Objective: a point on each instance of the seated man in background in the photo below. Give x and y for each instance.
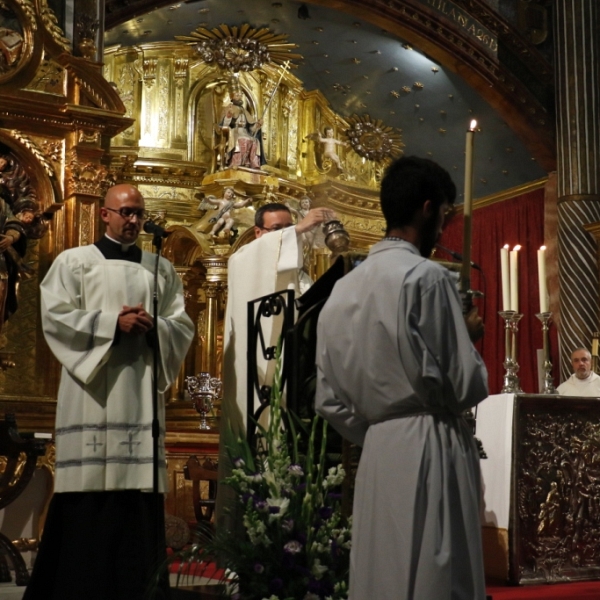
(583, 382)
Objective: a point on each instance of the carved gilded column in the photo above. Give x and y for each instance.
(578, 152)
(214, 288)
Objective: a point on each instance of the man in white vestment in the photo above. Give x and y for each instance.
(271, 263)
(396, 368)
(583, 382)
(101, 538)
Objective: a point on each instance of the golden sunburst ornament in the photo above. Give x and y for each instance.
(240, 48)
(373, 140)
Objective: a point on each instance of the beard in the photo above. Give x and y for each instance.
(429, 236)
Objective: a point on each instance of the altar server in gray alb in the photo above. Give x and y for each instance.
(396, 369)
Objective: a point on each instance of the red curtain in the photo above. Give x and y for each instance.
(519, 220)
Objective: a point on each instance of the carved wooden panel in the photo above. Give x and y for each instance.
(555, 504)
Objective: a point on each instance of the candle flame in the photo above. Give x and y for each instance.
(542, 247)
(517, 248)
(473, 125)
(506, 246)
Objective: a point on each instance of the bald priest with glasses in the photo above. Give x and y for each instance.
(100, 540)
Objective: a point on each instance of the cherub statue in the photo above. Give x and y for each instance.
(304, 206)
(223, 221)
(329, 144)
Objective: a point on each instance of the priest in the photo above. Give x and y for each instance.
(583, 382)
(101, 539)
(270, 263)
(396, 368)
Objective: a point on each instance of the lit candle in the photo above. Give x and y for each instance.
(505, 278)
(465, 272)
(541, 256)
(514, 278)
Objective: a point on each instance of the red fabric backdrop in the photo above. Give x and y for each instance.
(519, 220)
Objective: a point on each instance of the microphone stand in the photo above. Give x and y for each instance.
(157, 243)
(159, 523)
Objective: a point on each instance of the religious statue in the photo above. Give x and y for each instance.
(19, 220)
(329, 143)
(301, 212)
(240, 141)
(224, 221)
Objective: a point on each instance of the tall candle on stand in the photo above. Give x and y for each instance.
(505, 278)
(465, 274)
(514, 278)
(541, 255)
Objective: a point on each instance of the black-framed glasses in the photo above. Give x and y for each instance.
(276, 227)
(128, 213)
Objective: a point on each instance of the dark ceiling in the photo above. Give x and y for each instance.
(360, 68)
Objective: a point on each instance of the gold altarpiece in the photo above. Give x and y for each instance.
(148, 116)
(171, 152)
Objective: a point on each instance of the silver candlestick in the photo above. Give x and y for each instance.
(204, 390)
(512, 383)
(545, 318)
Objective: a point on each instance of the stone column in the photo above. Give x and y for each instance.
(577, 64)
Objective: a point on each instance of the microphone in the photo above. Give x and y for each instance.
(457, 256)
(156, 230)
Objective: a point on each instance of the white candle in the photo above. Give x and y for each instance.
(514, 278)
(465, 272)
(541, 256)
(468, 205)
(505, 278)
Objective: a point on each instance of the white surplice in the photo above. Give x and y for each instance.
(269, 264)
(587, 388)
(395, 370)
(104, 410)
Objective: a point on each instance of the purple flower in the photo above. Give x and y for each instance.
(274, 510)
(261, 506)
(258, 568)
(325, 512)
(276, 585)
(238, 463)
(321, 587)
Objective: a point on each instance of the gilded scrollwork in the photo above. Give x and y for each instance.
(51, 24)
(86, 224)
(88, 137)
(39, 154)
(52, 150)
(86, 178)
(558, 494)
(373, 140)
(149, 66)
(181, 70)
(244, 48)
(29, 11)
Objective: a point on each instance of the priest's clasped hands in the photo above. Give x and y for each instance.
(134, 319)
